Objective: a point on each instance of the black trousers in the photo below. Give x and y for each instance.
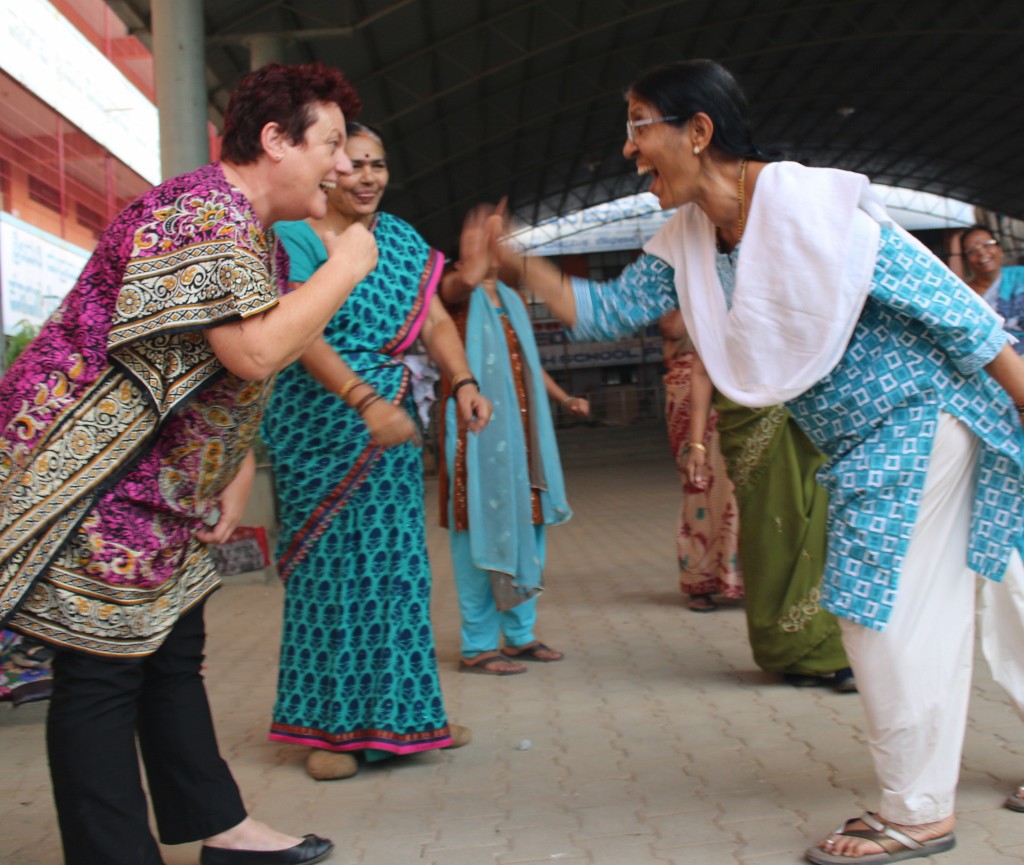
(99, 706)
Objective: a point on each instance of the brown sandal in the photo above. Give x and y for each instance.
(531, 652)
(491, 664)
(701, 604)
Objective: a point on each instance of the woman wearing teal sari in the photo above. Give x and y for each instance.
(358, 672)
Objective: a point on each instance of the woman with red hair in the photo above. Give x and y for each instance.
(125, 433)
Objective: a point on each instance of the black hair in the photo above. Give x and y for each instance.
(683, 88)
(354, 127)
(976, 227)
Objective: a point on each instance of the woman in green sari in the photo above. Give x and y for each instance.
(783, 511)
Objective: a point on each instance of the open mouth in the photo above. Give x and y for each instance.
(328, 185)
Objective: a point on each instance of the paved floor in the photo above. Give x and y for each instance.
(655, 741)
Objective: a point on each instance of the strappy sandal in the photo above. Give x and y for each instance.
(896, 846)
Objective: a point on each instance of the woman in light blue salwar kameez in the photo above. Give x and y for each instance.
(896, 372)
(1000, 287)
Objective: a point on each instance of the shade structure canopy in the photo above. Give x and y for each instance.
(479, 99)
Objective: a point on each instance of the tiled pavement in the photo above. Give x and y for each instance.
(655, 741)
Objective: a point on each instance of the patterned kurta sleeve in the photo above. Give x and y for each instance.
(640, 295)
(197, 258)
(961, 323)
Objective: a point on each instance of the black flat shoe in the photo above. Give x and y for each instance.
(804, 680)
(312, 849)
(844, 682)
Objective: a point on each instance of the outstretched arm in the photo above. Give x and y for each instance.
(543, 280)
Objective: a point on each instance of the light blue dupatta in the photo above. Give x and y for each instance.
(498, 477)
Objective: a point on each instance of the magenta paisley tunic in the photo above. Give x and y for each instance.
(119, 427)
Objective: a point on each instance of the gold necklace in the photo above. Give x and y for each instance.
(740, 197)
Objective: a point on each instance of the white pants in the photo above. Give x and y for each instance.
(915, 677)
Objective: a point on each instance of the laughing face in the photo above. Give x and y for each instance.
(358, 194)
(983, 252)
(314, 165)
(662, 151)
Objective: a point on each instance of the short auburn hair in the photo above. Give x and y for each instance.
(285, 95)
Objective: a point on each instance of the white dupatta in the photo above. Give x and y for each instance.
(804, 273)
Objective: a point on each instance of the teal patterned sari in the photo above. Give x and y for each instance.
(358, 670)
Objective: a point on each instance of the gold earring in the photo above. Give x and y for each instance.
(696, 150)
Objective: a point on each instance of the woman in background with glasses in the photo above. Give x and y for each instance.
(1000, 287)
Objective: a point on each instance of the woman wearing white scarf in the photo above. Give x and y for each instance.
(894, 370)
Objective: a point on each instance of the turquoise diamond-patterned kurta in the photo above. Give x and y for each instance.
(918, 349)
(358, 669)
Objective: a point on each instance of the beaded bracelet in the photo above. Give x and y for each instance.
(697, 446)
(465, 381)
(365, 403)
(367, 400)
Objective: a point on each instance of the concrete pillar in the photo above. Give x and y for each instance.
(264, 49)
(180, 63)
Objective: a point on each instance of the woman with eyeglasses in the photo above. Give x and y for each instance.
(892, 367)
(1000, 287)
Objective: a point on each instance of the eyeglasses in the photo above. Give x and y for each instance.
(633, 125)
(987, 246)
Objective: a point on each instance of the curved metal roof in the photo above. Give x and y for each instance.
(524, 98)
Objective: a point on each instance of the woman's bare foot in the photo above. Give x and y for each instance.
(851, 846)
(492, 663)
(252, 835)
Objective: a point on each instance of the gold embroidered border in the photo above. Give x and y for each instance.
(799, 615)
(745, 468)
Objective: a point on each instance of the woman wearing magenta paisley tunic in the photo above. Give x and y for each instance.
(125, 433)
(358, 672)
(893, 368)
